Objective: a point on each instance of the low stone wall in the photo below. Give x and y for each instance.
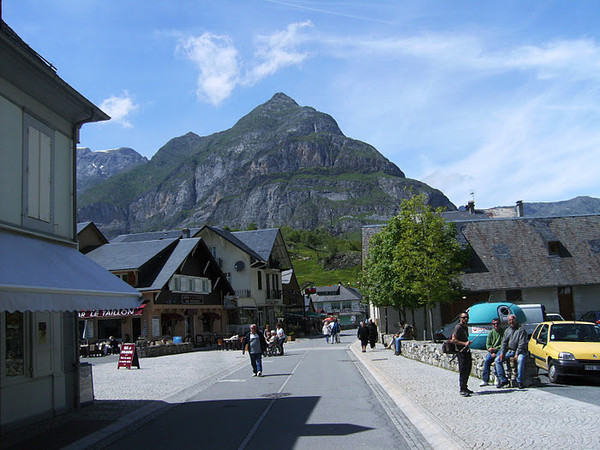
(431, 353)
(146, 351)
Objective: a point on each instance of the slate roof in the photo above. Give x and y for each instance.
(128, 255)
(336, 293)
(233, 238)
(176, 258)
(152, 235)
(514, 252)
(261, 241)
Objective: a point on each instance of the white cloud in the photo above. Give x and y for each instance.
(217, 61)
(119, 108)
(277, 51)
(220, 66)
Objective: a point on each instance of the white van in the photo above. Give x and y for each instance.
(535, 314)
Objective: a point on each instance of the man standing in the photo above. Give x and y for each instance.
(256, 346)
(514, 345)
(372, 334)
(460, 338)
(493, 344)
(280, 336)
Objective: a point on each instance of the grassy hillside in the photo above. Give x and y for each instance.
(312, 253)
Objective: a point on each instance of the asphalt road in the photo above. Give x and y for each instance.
(315, 396)
(582, 389)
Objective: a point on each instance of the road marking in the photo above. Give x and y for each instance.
(268, 408)
(231, 381)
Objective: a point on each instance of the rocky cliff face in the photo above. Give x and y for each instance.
(281, 164)
(94, 167)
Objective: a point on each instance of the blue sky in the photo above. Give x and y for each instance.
(497, 98)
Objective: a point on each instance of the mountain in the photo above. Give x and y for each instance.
(574, 206)
(94, 167)
(281, 164)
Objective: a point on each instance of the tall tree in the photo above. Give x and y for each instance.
(415, 260)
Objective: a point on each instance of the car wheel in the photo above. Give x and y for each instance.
(553, 373)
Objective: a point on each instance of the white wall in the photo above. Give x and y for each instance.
(547, 297)
(586, 298)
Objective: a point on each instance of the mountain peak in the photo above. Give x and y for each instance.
(281, 99)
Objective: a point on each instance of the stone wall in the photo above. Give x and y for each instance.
(431, 353)
(145, 351)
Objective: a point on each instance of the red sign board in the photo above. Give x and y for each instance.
(122, 312)
(128, 357)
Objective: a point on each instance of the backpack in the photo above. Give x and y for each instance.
(449, 347)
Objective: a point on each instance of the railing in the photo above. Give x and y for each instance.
(243, 293)
(274, 294)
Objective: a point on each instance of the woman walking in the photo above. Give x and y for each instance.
(363, 335)
(326, 331)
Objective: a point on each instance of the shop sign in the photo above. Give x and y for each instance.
(128, 357)
(192, 299)
(103, 313)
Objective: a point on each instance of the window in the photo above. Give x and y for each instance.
(188, 284)
(38, 176)
(259, 274)
(123, 276)
(554, 248)
(15, 344)
(543, 337)
(513, 295)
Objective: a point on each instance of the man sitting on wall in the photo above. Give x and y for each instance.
(514, 345)
(492, 344)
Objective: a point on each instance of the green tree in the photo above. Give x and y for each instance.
(415, 260)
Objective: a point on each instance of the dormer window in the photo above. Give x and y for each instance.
(554, 248)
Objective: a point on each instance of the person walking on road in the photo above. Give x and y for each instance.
(335, 330)
(363, 335)
(460, 338)
(256, 345)
(372, 334)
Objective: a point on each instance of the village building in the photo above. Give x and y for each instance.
(340, 301)
(553, 261)
(183, 287)
(44, 279)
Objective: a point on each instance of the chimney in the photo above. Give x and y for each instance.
(519, 208)
(471, 207)
(185, 233)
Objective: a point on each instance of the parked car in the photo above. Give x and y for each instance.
(554, 317)
(566, 348)
(591, 316)
(480, 321)
(535, 314)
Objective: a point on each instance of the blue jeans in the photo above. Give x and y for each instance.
(256, 361)
(520, 367)
(489, 359)
(398, 344)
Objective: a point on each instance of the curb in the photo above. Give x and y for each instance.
(437, 437)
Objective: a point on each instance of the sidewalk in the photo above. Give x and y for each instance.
(491, 418)
(141, 395)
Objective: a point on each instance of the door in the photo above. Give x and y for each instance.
(538, 346)
(565, 303)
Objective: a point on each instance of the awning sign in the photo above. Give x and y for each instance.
(123, 312)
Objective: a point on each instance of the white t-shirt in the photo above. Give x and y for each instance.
(280, 333)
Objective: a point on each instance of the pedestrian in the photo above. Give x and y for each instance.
(338, 330)
(280, 335)
(404, 333)
(335, 328)
(514, 345)
(492, 344)
(363, 335)
(372, 333)
(460, 338)
(267, 332)
(256, 345)
(326, 331)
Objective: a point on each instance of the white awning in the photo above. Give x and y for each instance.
(39, 275)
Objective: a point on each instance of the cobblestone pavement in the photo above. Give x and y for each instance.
(491, 418)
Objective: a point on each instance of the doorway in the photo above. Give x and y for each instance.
(565, 303)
